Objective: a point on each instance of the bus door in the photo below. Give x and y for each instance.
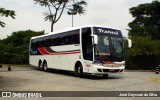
(87, 49)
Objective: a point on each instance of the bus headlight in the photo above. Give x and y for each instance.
(99, 64)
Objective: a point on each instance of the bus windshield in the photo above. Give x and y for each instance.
(109, 48)
(110, 45)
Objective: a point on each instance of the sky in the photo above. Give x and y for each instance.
(110, 13)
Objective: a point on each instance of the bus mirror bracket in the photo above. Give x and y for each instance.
(129, 43)
(95, 39)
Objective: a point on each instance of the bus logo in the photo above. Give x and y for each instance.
(34, 52)
(108, 31)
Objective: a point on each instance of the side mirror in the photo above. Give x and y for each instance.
(95, 39)
(129, 43)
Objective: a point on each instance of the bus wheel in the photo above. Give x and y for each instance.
(105, 75)
(80, 71)
(40, 66)
(45, 66)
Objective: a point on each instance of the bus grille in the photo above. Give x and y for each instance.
(108, 70)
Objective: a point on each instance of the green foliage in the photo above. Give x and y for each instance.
(6, 13)
(145, 34)
(145, 53)
(147, 20)
(144, 46)
(78, 7)
(14, 49)
(56, 8)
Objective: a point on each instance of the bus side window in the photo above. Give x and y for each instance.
(64, 39)
(46, 42)
(32, 44)
(41, 42)
(55, 40)
(87, 44)
(74, 37)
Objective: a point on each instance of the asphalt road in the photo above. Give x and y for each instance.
(27, 78)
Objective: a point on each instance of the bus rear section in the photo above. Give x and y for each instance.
(56, 50)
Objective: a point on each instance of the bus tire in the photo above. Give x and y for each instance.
(105, 75)
(45, 66)
(40, 65)
(80, 71)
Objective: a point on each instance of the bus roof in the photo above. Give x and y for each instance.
(70, 29)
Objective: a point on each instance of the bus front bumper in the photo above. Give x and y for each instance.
(99, 69)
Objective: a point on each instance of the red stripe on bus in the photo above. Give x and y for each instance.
(45, 52)
(64, 53)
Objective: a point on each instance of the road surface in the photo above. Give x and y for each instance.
(27, 78)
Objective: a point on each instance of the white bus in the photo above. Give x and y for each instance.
(84, 50)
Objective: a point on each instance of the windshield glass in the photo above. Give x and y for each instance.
(117, 46)
(109, 49)
(102, 48)
(110, 45)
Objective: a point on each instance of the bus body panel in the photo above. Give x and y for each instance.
(65, 57)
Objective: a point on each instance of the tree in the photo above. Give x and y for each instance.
(6, 13)
(145, 34)
(14, 49)
(58, 6)
(76, 8)
(147, 20)
(144, 54)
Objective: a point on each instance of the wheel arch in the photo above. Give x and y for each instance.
(44, 61)
(76, 64)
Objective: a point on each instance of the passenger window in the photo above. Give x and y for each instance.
(74, 37)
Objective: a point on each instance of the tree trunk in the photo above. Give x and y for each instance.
(52, 24)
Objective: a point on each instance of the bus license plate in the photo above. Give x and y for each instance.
(112, 70)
